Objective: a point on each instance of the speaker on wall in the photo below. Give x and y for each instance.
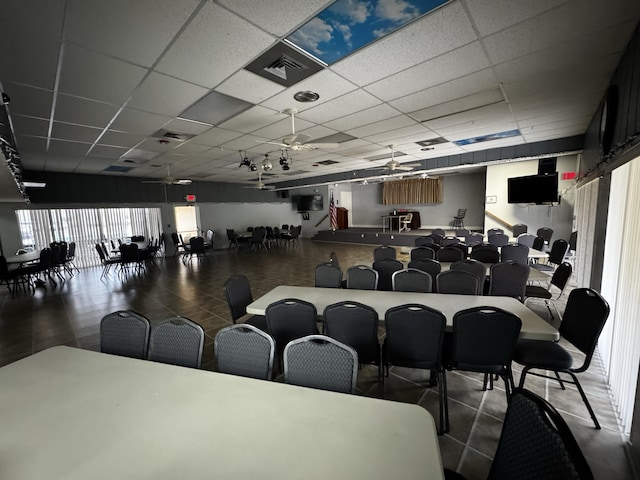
(547, 166)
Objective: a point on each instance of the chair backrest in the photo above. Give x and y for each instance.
(484, 339)
(538, 243)
(129, 252)
(436, 238)
(457, 282)
(423, 241)
(4, 268)
(177, 341)
(362, 277)
(100, 252)
(573, 240)
(125, 333)
(244, 350)
(449, 254)
(382, 252)
(408, 218)
(536, 442)
(420, 253)
(427, 265)
(475, 268)
(473, 238)
(237, 291)
(290, 318)
(519, 229)
(558, 251)
(498, 239)
(231, 235)
(546, 233)
(508, 279)
(461, 213)
(561, 276)
(493, 231)
(462, 232)
(318, 361)
(356, 325)
(584, 317)
(438, 231)
(485, 253)
(210, 236)
(55, 254)
(71, 254)
(258, 234)
(414, 336)
(411, 280)
(446, 241)
(328, 275)
(518, 253)
(527, 239)
(196, 244)
(385, 269)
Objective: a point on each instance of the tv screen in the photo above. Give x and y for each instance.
(533, 189)
(309, 203)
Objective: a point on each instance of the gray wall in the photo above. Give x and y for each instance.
(464, 190)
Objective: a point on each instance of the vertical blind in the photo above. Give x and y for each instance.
(585, 211)
(619, 344)
(412, 191)
(86, 227)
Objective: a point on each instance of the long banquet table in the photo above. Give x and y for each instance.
(75, 414)
(533, 327)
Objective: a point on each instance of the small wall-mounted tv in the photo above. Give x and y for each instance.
(309, 203)
(536, 189)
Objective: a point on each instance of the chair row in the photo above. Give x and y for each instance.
(176, 340)
(486, 253)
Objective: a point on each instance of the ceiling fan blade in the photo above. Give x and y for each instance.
(283, 145)
(296, 138)
(182, 181)
(153, 181)
(322, 146)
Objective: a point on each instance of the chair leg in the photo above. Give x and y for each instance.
(559, 380)
(444, 402)
(585, 400)
(523, 376)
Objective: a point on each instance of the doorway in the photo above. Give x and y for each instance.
(186, 221)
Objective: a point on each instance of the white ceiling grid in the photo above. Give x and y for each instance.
(128, 69)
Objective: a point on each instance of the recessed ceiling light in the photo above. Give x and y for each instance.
(306, 96)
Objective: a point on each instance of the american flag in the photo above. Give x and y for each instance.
(333, 213)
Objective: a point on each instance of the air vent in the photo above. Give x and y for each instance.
(284, 65)
(432, 141)
(327, 162)
(117, 168)
(181, 137)
(134, 161)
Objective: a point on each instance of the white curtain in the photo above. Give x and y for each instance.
(619, 344)
(585, 211)
(86, 227)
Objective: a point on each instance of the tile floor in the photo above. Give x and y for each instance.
(70, 315)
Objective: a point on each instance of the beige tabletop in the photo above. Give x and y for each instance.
(533, 326)
(24, 258)
(75, 414)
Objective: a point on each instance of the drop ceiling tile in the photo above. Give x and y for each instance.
(30, 145)
(135, 121)
(107, 151)
(61, 161)
(83, 112)
(181, 125)
(364, 117)
(134, 31)
(93, 165)
(37, 127)
(490, 17)
(325, 83)
(277, 17)
(216, 136)
(98, 77)
(249, 87)
(457, 88)
(66, 131)
(443, 69)
(246, 142)
(34, 102)
(119, 139)
(72, 149)
(252, 119)
(439, 32)
(192, 58)
(339, 107)
(190, 148)
(165, 95)
(384, 138)
(282, 128)
(154, 145)
(382, 126)
(478, 115)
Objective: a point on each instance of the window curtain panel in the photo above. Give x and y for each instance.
(585, 211)
(413, 191)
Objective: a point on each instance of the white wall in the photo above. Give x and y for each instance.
(557, 217)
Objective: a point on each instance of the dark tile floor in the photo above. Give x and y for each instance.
(70, 315)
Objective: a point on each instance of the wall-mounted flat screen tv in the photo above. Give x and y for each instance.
(309, 203)
(537, 189)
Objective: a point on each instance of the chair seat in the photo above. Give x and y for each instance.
(542, 354)
(258, 321)
(537, 292)
(543, 267)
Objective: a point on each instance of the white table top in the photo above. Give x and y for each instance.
(24, 258)
(74, 414)
(533, 326)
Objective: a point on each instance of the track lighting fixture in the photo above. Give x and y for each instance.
(285, 163)
(244, 161)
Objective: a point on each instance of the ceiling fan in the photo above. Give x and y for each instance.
(169, 180)
(260, 185)
(297, 142)
(394, 166)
